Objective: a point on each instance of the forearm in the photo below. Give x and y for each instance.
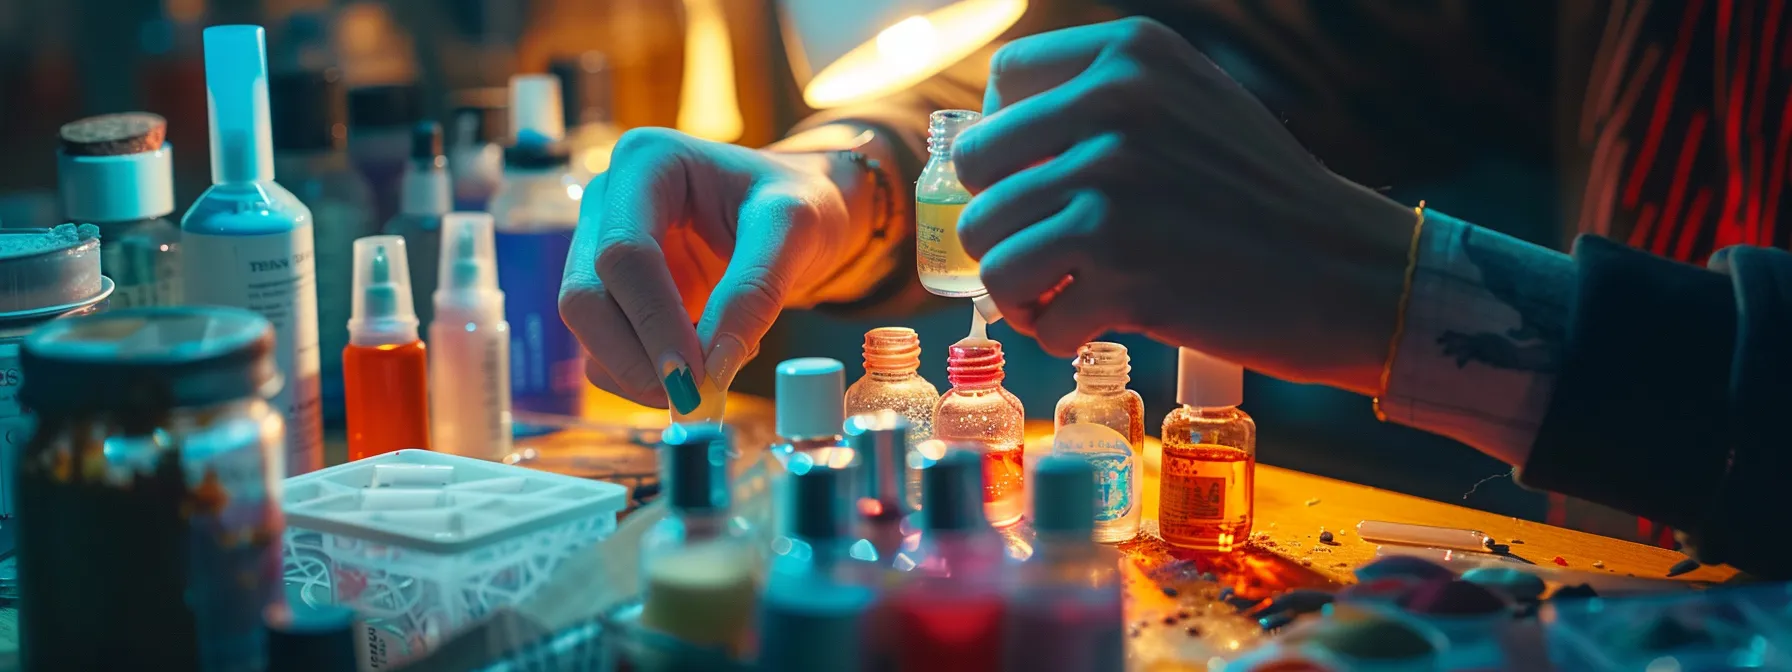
(1478, 352)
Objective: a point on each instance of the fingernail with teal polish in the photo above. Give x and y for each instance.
(681, 386)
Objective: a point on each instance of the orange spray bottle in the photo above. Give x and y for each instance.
(384, 366)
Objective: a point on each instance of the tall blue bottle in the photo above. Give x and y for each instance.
(247, 240)
(535, 211)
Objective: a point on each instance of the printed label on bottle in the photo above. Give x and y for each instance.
(13, 421)
(1111, 455)
(545, 366)
(1194, 489)
(272, 275)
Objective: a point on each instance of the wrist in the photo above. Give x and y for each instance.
(1377, 268)
(854, 164)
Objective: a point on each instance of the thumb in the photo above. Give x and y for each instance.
(771, 244)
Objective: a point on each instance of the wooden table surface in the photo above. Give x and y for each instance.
(1283, 509)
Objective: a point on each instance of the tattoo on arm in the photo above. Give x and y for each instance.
(1536, 343)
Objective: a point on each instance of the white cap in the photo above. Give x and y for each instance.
(1205, 381)
(236, 87)
(536, 117)
(383, 314)
(118, 187)
(467, 274)
(811, 397)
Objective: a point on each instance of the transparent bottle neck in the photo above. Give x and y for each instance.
(943, 128)
(976, 366)
(892, 353)
(1103, 368)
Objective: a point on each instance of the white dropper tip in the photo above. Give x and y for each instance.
(1205, 381)
(468, 267)
(383, 314)
(236, 90)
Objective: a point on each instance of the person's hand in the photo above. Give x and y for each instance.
(1118, 155)
(680, 227)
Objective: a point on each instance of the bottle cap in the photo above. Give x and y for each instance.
(115, 168)
(952, 490)
(173, 356)
(880, 443)
(480, 117)
(426, 143)
(382, 311)
(310, 110)
(820, 505)
(304, 637)
(535, 111)
(467, 274)
(585, 84)
(236, 86)
(385, 106)
(1063, 494)
(1205, 381)
(811, 396)
(695, 459)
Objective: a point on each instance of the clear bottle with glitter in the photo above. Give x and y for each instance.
(1104, 422)
(978, 410)
(892, 383)
(1208, 480)
(940, 258)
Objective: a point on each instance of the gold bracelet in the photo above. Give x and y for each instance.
(1412, 268)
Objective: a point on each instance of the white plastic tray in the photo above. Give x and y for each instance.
(441, 503)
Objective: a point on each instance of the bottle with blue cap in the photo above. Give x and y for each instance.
(811, 398)
(248, 241)
(536, 209)
(424, 198)
(699, 567)
(1064, 606)
(818, 594)
(947, 612)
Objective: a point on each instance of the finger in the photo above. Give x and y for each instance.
(1036, 129)
(1082, 312)
(1032, 65)
(1029, 264)
(596, 319)
(771, 248)
(595, 372)
(638, 205)
(1032, 194)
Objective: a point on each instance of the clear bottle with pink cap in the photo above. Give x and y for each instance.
(1205, 494)
(979, 410)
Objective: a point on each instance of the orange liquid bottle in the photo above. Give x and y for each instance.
(384, 367)
(1206, 495)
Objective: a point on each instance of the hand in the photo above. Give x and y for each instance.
(679, 227)
(1118, 155)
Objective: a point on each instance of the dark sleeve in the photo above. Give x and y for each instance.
(1669, 403)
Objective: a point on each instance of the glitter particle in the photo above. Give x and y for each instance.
(1326, 538)
(1560, 561)
(1312, 501)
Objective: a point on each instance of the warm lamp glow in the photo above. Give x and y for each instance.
(911, 50)
(708, 107)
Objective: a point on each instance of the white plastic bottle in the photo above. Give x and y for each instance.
(469, 345)
(247, 240)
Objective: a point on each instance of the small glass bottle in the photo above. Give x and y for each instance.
(945, 268)
(947, 615)
(891, 381)
(1206, 491)
(979, 410)
(818, 595)
(699, 570)
(116, 171)
(811, 410)
(889, 479)
(1104, 422)
(1064, 610)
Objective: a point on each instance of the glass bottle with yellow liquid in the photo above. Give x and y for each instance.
(941, 260)
(1205, 493)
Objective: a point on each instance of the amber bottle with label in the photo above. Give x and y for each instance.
(1210, 458)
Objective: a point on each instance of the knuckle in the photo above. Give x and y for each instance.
(761, 297)
(646, 142)
(619, 255)
(1144, 34)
